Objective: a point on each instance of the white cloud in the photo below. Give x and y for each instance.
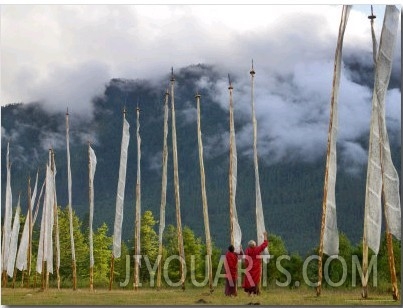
(64, 55)
(141, 41)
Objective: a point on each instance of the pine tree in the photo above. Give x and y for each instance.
(193, 246)
(120, 265)
(170, 241)
(81, 247)
(148, 243)
(102, 254)
(335, 269)
(276, 249)
(383, 259)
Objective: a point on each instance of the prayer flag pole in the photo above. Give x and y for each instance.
(29, 232)
(231, 162)
(137, 229)
(329, 237)
(235, 230)
(92, 162)
(382, 178)
(176, 184)
(204, 196)
(69, 184)
(56, 221)
(163, 189)
(117, 231)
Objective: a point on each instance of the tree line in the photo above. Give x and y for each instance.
(281, 268)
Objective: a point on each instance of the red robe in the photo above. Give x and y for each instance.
(231, 265)
(256, 268)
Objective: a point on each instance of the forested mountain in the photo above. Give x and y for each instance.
(292, 190)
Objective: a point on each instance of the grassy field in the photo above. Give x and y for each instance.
(191, 296)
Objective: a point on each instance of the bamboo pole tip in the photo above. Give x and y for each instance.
(372, 16)
(172, 74)
(229, 83)
(252, 71)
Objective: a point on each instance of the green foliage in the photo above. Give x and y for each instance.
(120, 267)
(383, 259)
(282, 269)
(276, 250)
(102, 255)
(357, 253)
(80, 244)
(149, 243)
(193, 249)
(170, 244)
(148, 236)
(337, 267)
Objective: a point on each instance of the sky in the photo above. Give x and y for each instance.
(64, 55)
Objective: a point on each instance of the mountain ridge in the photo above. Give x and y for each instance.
(292, 191)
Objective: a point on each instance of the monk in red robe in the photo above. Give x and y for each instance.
(231, 270)
(253, 263)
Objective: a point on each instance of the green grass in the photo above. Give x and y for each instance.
(191, 296)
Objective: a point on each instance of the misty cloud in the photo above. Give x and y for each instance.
(155, 162)
(216, 145)
(9, 135)
(71, 87)
(354, 157)
(293, 114)
(64, 56)
(393, 115)
(188, 114)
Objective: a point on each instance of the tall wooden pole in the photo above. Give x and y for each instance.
(230, 188)
(90, 194)
(255, 162)
(364, 291)
(7, 221)
(389, 242)
(45, 274)
(29, 233)
(204, 196)
(391, 262)
(73, 253)
(383, 152)
(4, 272)
(163, 189)
(176, 184)
(56, 219)
(138, 208)
(111, 272)
(112, 267)
(14, 277)
(330, 179)
(17, 223)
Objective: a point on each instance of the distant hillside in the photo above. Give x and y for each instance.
(292, 191)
